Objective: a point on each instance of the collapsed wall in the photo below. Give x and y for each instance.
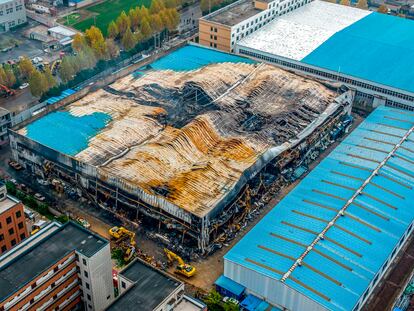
(181, 146)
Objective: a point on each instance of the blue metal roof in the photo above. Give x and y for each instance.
(377, 48)
(230, 285)
(339, 268)
(62, 95)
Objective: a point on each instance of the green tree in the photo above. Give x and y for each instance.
(156, 23)
(128, 40)
(96, 41)
(133, 18)
(37, 83)
(10, 77)
(156, 7)
(50, 79)
(123, 23)
(229, 306)
(66, 70)
(362, 4)
(3, 78)
(113, 50)
(113, 31)
(213, 301)
(26, 68)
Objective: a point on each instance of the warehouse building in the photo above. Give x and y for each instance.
(12, 14)
(367, 51)
(179, 141)
(59, 268)
(223, 28)
(330, 241)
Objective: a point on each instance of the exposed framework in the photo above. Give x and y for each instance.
(182, 146)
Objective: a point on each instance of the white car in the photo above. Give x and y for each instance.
(39, 197)
(23, 86)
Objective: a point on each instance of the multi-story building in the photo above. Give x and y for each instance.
(140, 283)
(12, 14)
(223, 28)
(59, 268)
(5, 123)
(12, 222)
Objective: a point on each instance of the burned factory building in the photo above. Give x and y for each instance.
(186, 148)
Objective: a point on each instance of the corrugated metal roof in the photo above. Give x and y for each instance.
(339, 268)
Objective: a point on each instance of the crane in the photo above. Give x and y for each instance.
(182, 268)
(128, 246)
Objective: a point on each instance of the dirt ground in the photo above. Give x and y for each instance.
(208, 269)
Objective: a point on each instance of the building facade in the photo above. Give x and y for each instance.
(13, 228)
(12, 14)
(223, 28)
(5, 123)
(69, 267)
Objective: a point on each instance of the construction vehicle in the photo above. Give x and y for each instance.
(120, 235)
(5, 91)
(182, 268)
(55, 66)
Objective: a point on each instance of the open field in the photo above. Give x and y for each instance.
(101, 14)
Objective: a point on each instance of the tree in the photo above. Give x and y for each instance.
(156, 7)
(123, 23)
(156, 23)
(66, 70)
(362, 4)
(229, 306)
(133, 18)
(213, 301)
(50, 80)
(37, 83)
(113, 50)
(383, 9)
(146, 29)
(3, 79)
(128, 40)
(26, 68)
(78, 42)
(345, 2)
(113, 30)
(10, 77)
(96, 41)
(171, 3)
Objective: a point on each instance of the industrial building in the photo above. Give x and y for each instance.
(58, 268)
(331, 240)
(224, 27)
(12, 14)
(186, 141)
(366, 51)
(13, 227)
(142, 285)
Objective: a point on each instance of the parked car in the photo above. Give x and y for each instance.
(23, 86)
(231, 300)
(83, 222)
(29, 214)
(39, 197)
(15, 165)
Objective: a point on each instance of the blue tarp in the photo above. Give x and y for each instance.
(229, 288)
(62, 95)
(251, 302)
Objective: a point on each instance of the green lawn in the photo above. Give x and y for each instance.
(107, 11)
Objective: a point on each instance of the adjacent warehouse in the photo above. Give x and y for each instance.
(367, 51)
(181, 139)
(329, 242)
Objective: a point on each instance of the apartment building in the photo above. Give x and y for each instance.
(142, 285)
(13, 228)
(62, 267)
(223, 28)
(5, 123)
(12, 14)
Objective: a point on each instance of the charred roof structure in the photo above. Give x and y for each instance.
(182, 146)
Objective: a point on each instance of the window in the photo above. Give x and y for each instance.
(85, 273)
(89, 307)
(18, 214)
(3, 248)
(11, 231)
(22, 236)
(13, 242)
(89, 297)
(8, 220)
(87, 285)
(107, 297)
(123, 284)
(20, 225)
(84, 261)
(1, 237)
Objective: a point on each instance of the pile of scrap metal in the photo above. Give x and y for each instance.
(184, 148)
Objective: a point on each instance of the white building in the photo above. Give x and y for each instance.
(12, 14)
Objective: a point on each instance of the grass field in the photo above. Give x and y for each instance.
(102, 14)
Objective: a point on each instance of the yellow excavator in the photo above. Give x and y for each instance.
(182, 268)
(120, 235)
